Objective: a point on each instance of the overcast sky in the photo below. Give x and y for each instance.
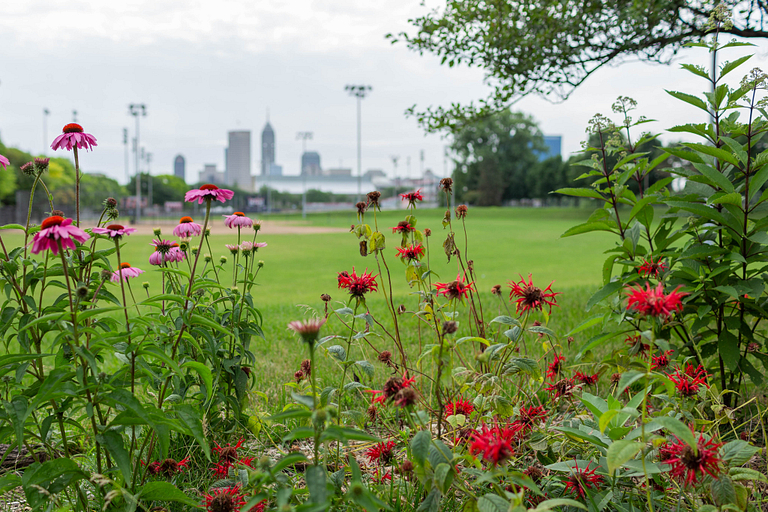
(205, 67)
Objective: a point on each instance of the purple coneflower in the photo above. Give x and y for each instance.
(114, 231)
(187, 227)
(74, 136)
(237, 220)
(57, 229)
(233, 249)
(128, 272)
(208, 193)
(4, 161)
(308, 330)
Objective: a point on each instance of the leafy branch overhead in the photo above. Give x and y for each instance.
(550, 47)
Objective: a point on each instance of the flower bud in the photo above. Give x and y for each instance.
(82, 292)
(223, 260)
(28, 169)
(207, 258)
(145, 284)
(194, 251)
(156, 231)
(260, 263)
(256, 225)
(106, 275)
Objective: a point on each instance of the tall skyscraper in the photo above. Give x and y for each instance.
(238, 156)
(554, 145)
(267, 148)
(179, 167)
(310, 164)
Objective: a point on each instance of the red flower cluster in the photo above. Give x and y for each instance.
(531, 297)
(553, 370)
(411, 252)
(653, 301)
(225, 499)
(382, 453)
(582, 479)
(167, 467)
(687, 382)
(637, 346)
(412, 197)
(587, 380)
(358, 286)
(529, 418)
(460, 406)
(403, 227)
(688, 464)
(561, 388)
(228, 458)
(392, 388)
(457, 289)
(661, 361)
(494, 444)
(652, 268)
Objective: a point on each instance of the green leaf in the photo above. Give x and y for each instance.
(165, 491)
(559, 502)
(586, 324)
(738, 452)
(579, 435)
(620, 452)
(590, 226)
(733, 198)
(492, 503)
(718, 153)
(627, 379)
(420, 446)
(189, 416)
(723, 491)
(728, 347)
(579, 192)
(604, 292)
(730, 66)
(205, 374)
(432, 502)
(688, 98)
(678, 429)
(315, 476)
(114, 444)
(505, 320)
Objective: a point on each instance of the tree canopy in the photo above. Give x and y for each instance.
(549, 47)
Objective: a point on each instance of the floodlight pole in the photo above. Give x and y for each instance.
(46, 113)
(137, 110)
(359, 92)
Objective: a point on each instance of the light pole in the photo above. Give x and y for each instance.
(74, 116)
(304, 137)
(150, 200)
(125, 143)
(359, 92)
(137, 110)
(46, 113)
(394, 159)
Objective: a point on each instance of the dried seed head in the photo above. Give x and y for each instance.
(450, 327)
(325, 297)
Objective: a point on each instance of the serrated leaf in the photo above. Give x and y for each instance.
(620, 452)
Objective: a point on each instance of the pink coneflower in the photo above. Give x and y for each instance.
(456, 289)
(233, 249)
(114, 231)
(74, 136)
(237, 220)
(531, 297)
(653, 301)
(224, 499)
(308, 329)
(582, 479)
(56, 228)
(4, 161)
(165, 251)
(175, 254)
(187, 227)
(493, 444)
(128, 272)
(209, 193)
(688, 463)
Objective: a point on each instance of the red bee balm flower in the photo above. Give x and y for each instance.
(586, 379)
(403, 227)
(411, 252)
(494, 444)
(652, 268)
(460, 406)
(208, 193)
(168, 467)
(228, 453)
(653, 301)
(381, 453)
(582, 479)
(73, 136)
(55, 230)
(114, 231)
(224, 499)
(688, 464)
(358, 286)
(687, 382)
(553, 370)
(412, 197)
(457, 289)
(661, 361)
(531, 297)
(529, 418)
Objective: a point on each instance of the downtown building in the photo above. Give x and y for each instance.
(238, 160)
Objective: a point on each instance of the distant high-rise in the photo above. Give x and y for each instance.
(554, 145)
(267, 148)
(310, 164)
(238, 155)
(179, 167)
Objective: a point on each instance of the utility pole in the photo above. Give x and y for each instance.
(46, 113)
(304, 137)
(138, 110)
(359, 92)
(394, 159)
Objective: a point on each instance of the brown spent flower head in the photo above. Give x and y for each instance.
(447, 185)
(306, 367)
(28, 169)
(385, 356)
(406, 466)
(373, 413)
(496, 290)
(406, 397)
(57, 213)
(373, 198)
(534, 473)
(298, 376)
(450, 327)
(363, 248)
(461, 211)
(110, 202)
(325, 297)
(106, 275)
(361, 207)
(400, 309)
(427, 232)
